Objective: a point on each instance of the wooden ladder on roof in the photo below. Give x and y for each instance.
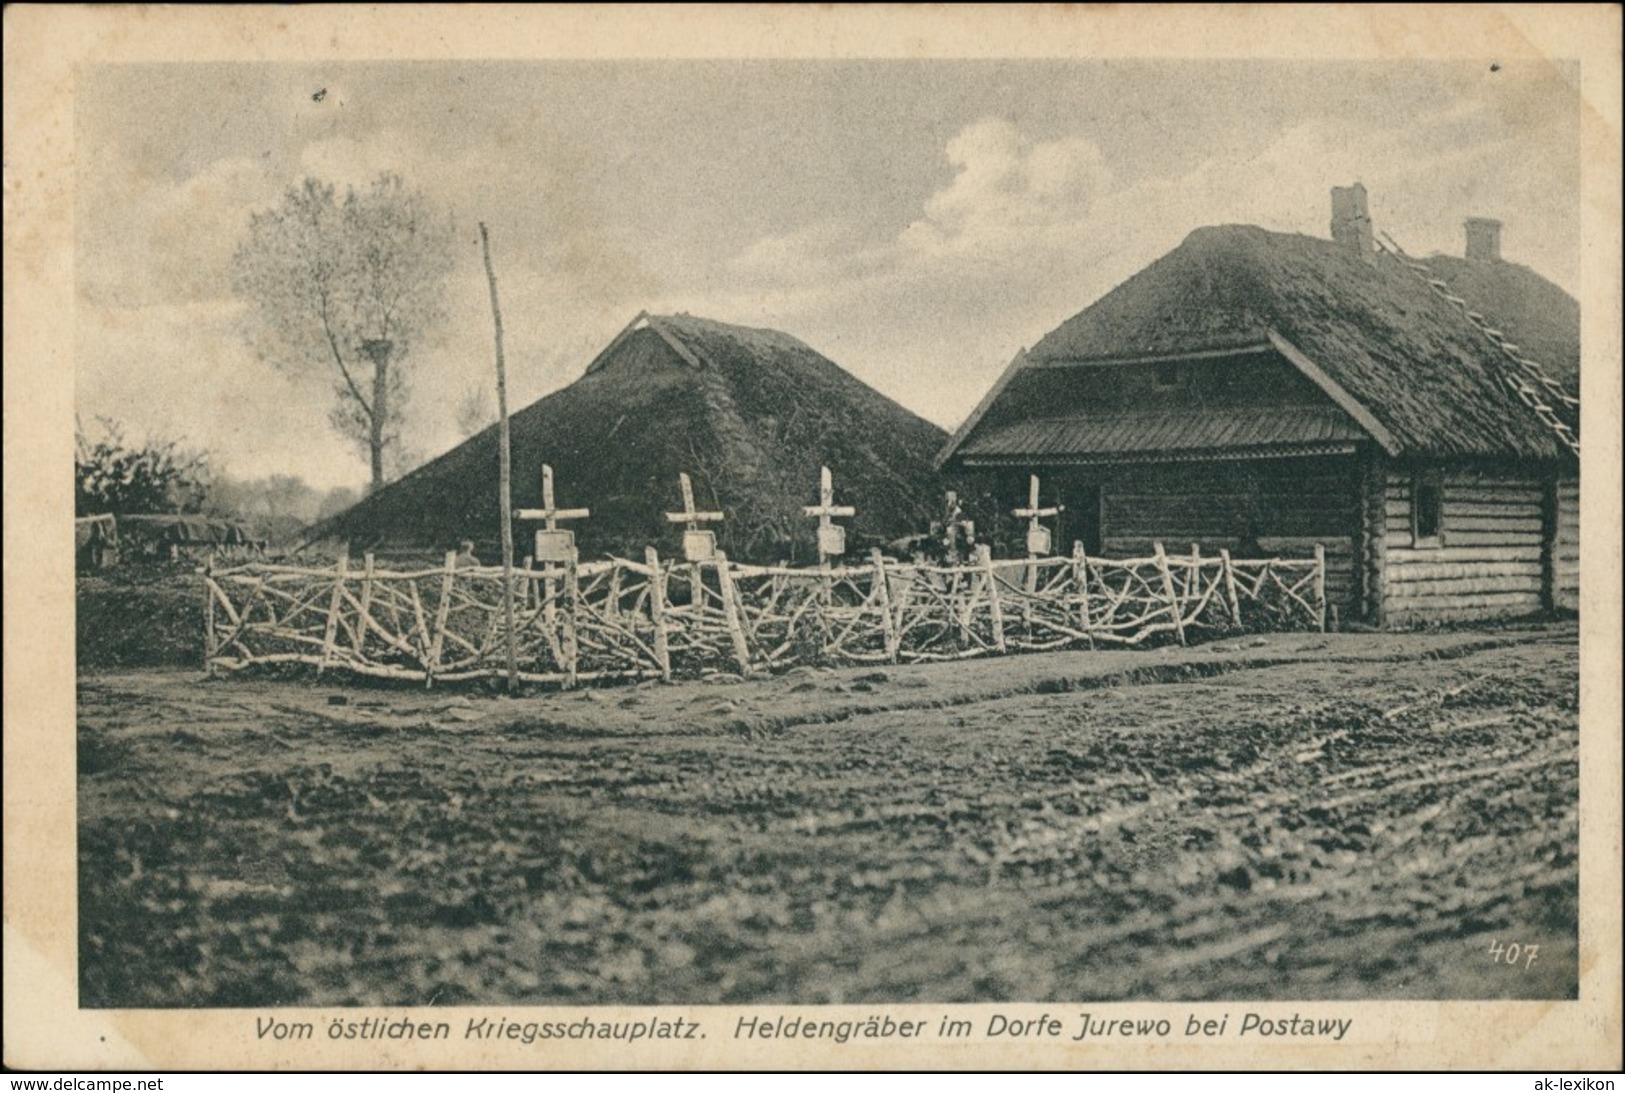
(1528, 380)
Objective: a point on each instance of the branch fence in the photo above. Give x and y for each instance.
(619, 619)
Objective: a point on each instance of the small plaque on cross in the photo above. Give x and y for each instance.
(831, 540)
(558, 545)
(699, 546)
(1038, 540)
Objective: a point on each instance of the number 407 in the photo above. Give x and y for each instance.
(1513, 953)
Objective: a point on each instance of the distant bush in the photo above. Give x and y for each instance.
(113, 475)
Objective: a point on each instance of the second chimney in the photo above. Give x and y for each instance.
(1483, 239)
(1351, 221)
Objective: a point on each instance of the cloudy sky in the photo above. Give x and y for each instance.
(917, 222)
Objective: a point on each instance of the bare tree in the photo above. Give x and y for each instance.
(345, 288)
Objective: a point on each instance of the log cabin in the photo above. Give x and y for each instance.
(1263, 392)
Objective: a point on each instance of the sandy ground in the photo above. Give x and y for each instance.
(1292, 817)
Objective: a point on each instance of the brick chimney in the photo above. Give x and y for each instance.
(1483, 239)
(1351, 221)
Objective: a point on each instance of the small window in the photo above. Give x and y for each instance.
(1427, 511)
(1168, 376)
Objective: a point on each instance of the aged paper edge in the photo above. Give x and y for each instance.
(44, 46)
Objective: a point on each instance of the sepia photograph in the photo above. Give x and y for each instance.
(1038, 550)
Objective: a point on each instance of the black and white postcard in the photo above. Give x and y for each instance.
(812, 537)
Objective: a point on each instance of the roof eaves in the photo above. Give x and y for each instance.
(1337, 393)
(1287, 450)
(1154, 358)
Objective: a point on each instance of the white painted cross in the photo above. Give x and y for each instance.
(831, 537)
(698, 545)
(1038, 538)
(553, 543)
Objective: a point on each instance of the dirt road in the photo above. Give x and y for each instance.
(1303, 816)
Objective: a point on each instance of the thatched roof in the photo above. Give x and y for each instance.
(749, 414)
(1542, 319)
(1402, 363)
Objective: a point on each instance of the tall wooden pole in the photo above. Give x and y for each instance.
(505, 473)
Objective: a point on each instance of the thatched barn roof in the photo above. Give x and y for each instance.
(749, 414)
(1406, 367)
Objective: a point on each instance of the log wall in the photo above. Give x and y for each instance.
(1566, 546)
(1487, 560)
(1284, 506)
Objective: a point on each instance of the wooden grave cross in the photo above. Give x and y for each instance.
(831, 536)
(553, 543)
(956, 528)
(1038, 536)
(699, 545)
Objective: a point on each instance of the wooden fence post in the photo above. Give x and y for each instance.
(339, 571)
(730, 611)
(437, 639)
(1320, 586)
(965, 615)
(657, 611)
(1230, 596)
(209, 648)
(1168, 590)
(613, 607)
(984, 557)
(366, 604)
(418, 621)
(1080, 576)
(888, 624)
(696, 589)
(825, 600)
(572, 601)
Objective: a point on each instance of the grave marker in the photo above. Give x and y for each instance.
(699, 545)
(553, 543)
(1038, 536)
(831, 536)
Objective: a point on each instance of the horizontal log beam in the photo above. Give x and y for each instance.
(1487, 496)
(1406, 555)
(1470, 508)
(1466, 602)
(1404, 615)
(1454, 587)
(1414, 573)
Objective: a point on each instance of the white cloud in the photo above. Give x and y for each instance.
(1009, 193)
